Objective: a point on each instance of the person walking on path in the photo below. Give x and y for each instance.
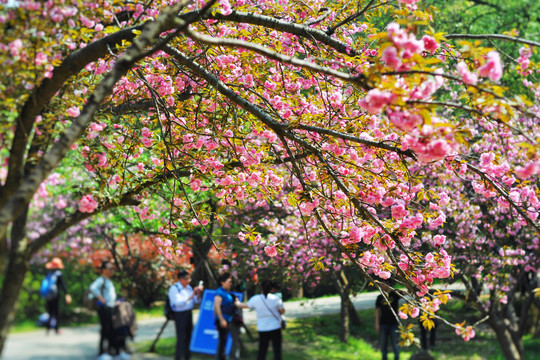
(56, 284)
(386, 324)
(103, 290)
(182, 298)
(224, 309)
(269, 308)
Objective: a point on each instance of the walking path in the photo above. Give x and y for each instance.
(80, 343)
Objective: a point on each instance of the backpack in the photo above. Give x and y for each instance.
(167, 309)
(48, 288)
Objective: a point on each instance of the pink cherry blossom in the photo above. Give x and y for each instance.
(399, 211)
(375, 100)
(466, 76)
(270, 251)
(529, 170)
(402, 315)
(439, 240)
(430, 44)
(391, 58)
(256, 239)
(466, 333)
(15, 47)
(87, 204)
(73, 111)
(493, 67)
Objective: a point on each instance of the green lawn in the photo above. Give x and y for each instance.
(317, 339)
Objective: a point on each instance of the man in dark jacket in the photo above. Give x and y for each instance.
(386, 322)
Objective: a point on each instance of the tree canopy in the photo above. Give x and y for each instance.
(363, 119)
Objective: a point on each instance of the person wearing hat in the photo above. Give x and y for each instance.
(58, 284)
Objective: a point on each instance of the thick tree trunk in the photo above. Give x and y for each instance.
(16, 270)
(3, 254)
(344, 319)
(297, 290)
(344, 328)
(511, 344)
(353, 315)
(203, 270)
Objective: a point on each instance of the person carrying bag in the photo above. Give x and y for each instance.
(269, 308)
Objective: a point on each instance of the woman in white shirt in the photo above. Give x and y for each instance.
(269, 308)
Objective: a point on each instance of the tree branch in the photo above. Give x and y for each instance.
(505, 196)
(478, 112)
(370, 143)
(42, 95)
(15, 204)
(493, 36)
(350, 18)
(209, 40)
(300, 30)
(135, 106)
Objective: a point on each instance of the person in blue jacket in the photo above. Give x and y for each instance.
(224, 309)
(55, 267)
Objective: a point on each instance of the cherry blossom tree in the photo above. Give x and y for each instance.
(278, 242)
(493, 247)
(354, 105)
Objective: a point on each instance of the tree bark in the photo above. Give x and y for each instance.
(11, 287)
(17, 267)
(353, 315)
(297, 290)
(344, 319)
(511, 348)
(344, 328)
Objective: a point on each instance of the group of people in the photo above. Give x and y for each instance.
(183, 298)
(116, 316)
(227, 309)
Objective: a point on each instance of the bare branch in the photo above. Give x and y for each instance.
(350, 18)
(135, 106)
(493, 36)
(326, 13)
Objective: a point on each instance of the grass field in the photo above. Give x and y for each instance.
(317, 339)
